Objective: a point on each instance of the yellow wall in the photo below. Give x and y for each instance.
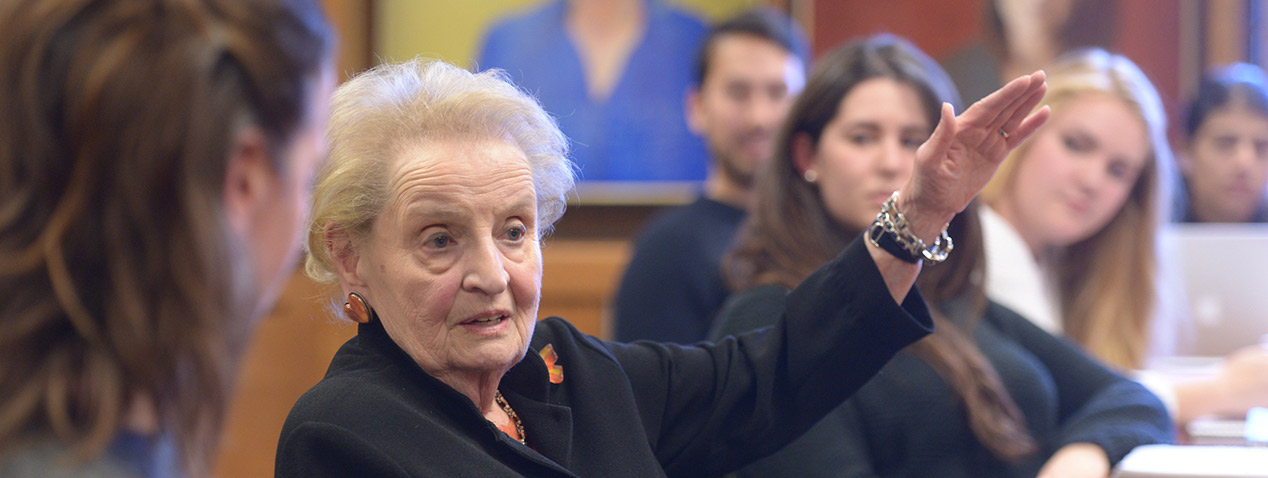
(451, 30)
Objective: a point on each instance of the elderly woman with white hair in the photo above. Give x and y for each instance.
(430, 214)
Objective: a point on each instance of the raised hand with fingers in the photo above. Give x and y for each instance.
(966, 150)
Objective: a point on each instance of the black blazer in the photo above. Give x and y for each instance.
(641, 409)
(908, 421)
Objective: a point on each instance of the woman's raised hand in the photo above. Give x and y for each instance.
(965, 151)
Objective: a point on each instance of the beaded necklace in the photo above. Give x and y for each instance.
(515, 419)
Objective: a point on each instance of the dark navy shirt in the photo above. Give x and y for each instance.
(673, 285)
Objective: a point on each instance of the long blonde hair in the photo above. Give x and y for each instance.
(1106, 282)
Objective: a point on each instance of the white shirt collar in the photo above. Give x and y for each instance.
(1014, 277)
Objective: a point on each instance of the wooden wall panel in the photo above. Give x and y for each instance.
(1149, 35)
(937, 27)
(579, 279)
(351, 19)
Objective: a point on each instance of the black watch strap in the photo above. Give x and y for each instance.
(877, 235)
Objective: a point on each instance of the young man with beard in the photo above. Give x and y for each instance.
(748, 71)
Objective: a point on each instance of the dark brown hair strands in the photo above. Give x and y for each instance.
(122, 282)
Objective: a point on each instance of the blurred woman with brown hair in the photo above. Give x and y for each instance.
(155, 161)
(987, 394)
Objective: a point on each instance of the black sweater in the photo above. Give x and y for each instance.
(908, 422)
(636, 410)
(673, 285)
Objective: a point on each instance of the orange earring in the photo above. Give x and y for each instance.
(356, 308)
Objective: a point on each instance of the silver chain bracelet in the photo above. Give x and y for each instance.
(891, 223)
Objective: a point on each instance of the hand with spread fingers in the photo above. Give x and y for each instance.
(964, 152)
(952, 167)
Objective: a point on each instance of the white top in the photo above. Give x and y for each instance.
(1170, 461)
(1013, 276)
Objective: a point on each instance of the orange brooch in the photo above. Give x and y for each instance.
(556, 371)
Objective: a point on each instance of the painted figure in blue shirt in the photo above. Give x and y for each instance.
(614, 74)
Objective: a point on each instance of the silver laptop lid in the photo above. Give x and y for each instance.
(1222, 272)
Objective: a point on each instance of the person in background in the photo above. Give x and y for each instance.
(988, 394)
(1225, 161)
(430, 214)
(614, 73)
(749, 70)
(1018, 36)
(1071, 228)
(155, 163)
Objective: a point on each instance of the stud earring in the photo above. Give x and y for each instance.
(810, 176)
(356, 308)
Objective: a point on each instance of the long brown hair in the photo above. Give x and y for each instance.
(790, 233)
(1106, 282)
(121, 278)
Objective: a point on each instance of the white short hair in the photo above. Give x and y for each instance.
(390, 108)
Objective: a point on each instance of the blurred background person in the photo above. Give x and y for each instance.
(155, 160)
(1072, 227)
(988, 394)
(1225, 159)
(614, 73)
(1021, 36)
(748, 71)
(1071, 224)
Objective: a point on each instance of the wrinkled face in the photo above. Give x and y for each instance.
(748, 89)
(1077, 172)
(1227, 166)
(868, 150)
(278, 231)
(453, 264)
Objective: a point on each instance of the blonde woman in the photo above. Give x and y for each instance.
(1072, 219)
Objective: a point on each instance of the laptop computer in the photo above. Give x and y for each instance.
(1220, 272)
